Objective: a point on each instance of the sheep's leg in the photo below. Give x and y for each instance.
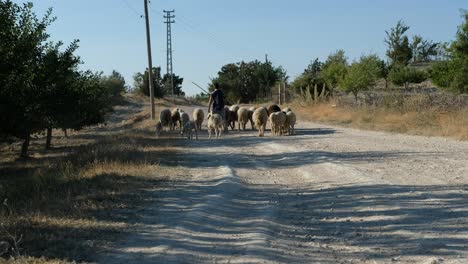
(209, 133)
(196, 134)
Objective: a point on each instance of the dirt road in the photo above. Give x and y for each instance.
(325, 195)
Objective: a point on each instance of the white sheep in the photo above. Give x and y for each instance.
(188, 129)
(251, 110)
(277, 121)
(164, 121)
(287, 109)
(198, 116)
(242, 117)
(290, 122)
(184, 118)
(260, 118)
(175, 118)
(216, 124)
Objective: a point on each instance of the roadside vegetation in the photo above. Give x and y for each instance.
(58, 201)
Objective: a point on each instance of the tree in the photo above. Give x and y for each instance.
(334, 69)
(247, 81)
(404, 75)
(115, 83)
(452, 73)
(422, 50)
(361, 75)
(384, 71)
(141, 83)
(310, 78)
(177, 81)
(398, 47)
(56, 75)
(41, 86)
(22, 37)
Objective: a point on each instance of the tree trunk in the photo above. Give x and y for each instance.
(64, 130)
(386, 84)
(48, 138)
(25, 146)
(355, 97)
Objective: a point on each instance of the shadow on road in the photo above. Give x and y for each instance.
(319, 225)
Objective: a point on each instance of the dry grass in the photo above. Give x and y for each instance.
(70, 203)
(412, 115)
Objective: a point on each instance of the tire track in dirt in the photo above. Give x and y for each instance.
(326, 195)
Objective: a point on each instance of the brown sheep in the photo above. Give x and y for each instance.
(273, 108)
(175, 118)
(198, 116)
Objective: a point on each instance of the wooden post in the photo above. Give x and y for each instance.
(150, 63)
(279, 93)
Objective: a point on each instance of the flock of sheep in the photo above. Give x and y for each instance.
(282, 121)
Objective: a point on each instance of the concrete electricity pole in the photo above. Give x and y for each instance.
(169, 21)
(150, 63)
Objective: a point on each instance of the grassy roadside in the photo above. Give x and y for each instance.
(71, 203)
(413, 116)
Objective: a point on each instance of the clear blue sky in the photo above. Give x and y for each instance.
(210, 33)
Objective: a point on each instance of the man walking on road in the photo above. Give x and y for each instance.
(217, 99)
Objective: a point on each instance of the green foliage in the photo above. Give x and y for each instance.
(398, 48)
(21, 44)
(422, 50)
(334, 69)
(361, 75)
(247, 81)
(202, 97)
(177, 82)
(41, 86)
(452, 73)
(141, 83)
(403, 75)
(115, 83)
(307, 81)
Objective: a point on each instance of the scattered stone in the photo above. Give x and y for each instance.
(4, 248)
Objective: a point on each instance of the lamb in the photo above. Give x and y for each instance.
(228, 117)
(277, 121)
(175, 118)
(260, 117)
(233, 110)
(290, 122)
(287, 109)
(273, 108)
(189, 128)
(215, 123)
(198, 116)
(242, 117)
(251, 110)
(164, 121)
(184, 118)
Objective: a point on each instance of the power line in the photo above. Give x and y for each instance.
(193, 29)
(127, 4)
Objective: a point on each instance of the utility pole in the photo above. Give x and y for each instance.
(169, 20)
(267, 89)
(150, 63)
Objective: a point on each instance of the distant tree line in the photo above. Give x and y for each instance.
(448, 65)
(161, 85)
(408, 61)
(246, 81)
(41, 87)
